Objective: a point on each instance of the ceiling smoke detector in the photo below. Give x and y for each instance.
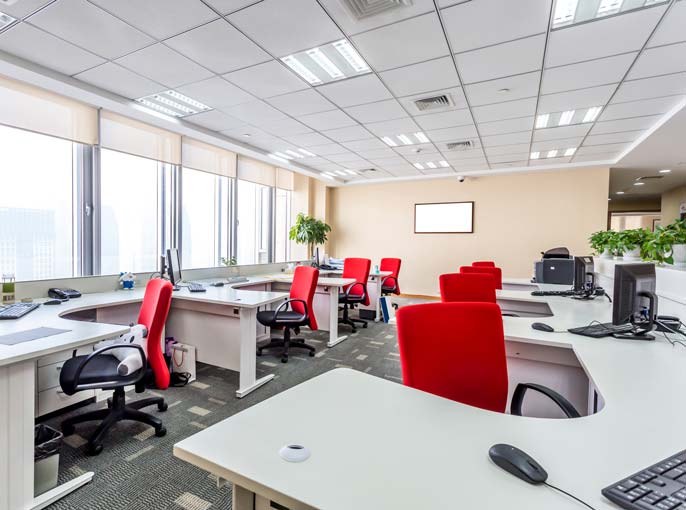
(432, 103)
(464, 145)
(363, 9)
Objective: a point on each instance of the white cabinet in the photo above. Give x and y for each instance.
(49, 394)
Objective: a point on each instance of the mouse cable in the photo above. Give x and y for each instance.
(568, 494)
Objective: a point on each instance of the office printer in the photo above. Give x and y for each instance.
(556, 266)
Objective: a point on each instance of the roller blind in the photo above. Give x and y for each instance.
(127, 135)
(28, 107)
(284, 179)
(208, 158)
(256, 171)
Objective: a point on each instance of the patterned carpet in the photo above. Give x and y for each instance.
(136, 470)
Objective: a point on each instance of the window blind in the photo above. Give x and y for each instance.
(133, 137)
(208, 158)
(256, 171)
(284, 179)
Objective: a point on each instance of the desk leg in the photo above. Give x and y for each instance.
(248, 373)
(378, 299)
(17, 418)
(333, 319)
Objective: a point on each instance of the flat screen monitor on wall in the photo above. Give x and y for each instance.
(444, 218)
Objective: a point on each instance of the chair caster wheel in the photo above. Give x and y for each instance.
(311, 354)
(259, 352)
(161, 432)
(364, 325)
(68, 430)
(109, 403)
(93, 449)
(284, 359)
(395, 305)
(162, 407)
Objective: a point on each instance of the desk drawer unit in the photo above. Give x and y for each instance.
(55, 399)
(49, 394)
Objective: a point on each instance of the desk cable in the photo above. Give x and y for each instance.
(674, 331)
(569, 494)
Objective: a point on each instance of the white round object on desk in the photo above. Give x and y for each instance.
(294, 453)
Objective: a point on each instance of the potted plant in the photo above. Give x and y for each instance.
(678, 232)
(630, 242)
(310, 231)
(658, 246)
(600, 243)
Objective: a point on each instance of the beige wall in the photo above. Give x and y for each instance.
(311, 197)
(516, 216)
(671, 200)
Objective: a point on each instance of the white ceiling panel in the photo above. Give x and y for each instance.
(511, 164)
(662, 60)
(647, 88)
(255, 112)
(216, 92)
(549, 161)
(245, 133)
(603, 37)
(377, 112)
(24, 8)
(468, 155)
(566, 143)
(605, 156)
(159, 18)
(267, 80)
(586, 74)
(516, 57)
(164, 65)
(624, 136)
(455, 95)
(403, 171)
(506, 126)
(396, 160)
(219, 47)
(482, 23)
(444, 120)
(88, 26)
(405, 126)
(616, 126)
(418, 78)
(214, 120)
(561, 132)
(364, 145)
(640, 108)
(284, 27)
(348, 134)
(351, 25)
(411, 150)
(119, 80)
(452, 134)
(303, 102)
(285, 127)
(327, 120)
(33, 44)
(438, 171)
(600, 149)
(506, 149)
(322, 150)
(504, 158)
(345, 158)
(355, 91)
(507, 139)
(506, 110)
(407, 42)
(229, 6)
(503, 89)
(576, 99)
(424, 157)
(671, 29)
(372, 154)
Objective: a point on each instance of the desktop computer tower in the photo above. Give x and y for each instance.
(555, 271)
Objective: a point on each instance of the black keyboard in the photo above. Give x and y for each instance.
(17, 310)
(196, 287)
(563, 293)
(601, 330)
(662, 486)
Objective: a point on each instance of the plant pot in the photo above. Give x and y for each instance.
(679, 254)
(634, 254)
(606, 254)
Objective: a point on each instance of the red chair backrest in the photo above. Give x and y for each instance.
(467, 287)
(483, 263)
(392, 265)
(153, 315)
(303, 287)
(456, 351)
(358, 269)
(496, 272)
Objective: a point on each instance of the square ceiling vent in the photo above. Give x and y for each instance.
(363, 9)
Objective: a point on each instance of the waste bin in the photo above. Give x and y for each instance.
(46, 458)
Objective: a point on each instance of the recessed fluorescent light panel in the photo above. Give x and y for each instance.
(535, 155)
(351, 172)
(278, 158)
(570, 152)
(395, 140)
(174, 104)
(570, 12)
(327, 63)
(6, 20)
(431, 164)
(542, 121)
(555, 153)
(307, 153)
(592, 113)
(568, 117)
(552, 153)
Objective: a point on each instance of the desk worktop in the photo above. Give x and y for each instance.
(377, 444)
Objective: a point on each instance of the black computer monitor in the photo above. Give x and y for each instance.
(583, 273)
(174, 266)
(634, 292)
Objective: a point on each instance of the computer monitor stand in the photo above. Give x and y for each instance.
(641, 329)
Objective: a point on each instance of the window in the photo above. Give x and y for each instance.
(37, 205)
(254, 222)
(133, 215)
(205, 226)
(282, 224)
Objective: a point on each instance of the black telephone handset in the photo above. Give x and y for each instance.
(56, 293)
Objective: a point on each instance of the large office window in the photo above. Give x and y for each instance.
(282, 224)
(205, 218)
(254, 222)
(36, 205)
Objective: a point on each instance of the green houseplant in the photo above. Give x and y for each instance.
(310, 231)
(658, 246)
(678, 234)
(630, 242)
(602, 242)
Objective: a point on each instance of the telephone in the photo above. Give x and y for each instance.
(63, 293)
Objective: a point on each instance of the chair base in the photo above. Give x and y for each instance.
(116, 411)
(346, 319)
(286, 344)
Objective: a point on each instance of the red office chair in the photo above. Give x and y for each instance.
(457, 351)
(99, 370)
(390, 285)
(467, 287)
(355, 293)
(496, 272)
(301, 313)
(483, 263)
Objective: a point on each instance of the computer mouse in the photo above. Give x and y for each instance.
(516, 462)
(53, 302)
(217, 284)
(542, 326)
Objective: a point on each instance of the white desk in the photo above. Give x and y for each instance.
(376, 279)
(377, 444)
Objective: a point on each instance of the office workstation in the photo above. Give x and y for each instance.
(342, 254)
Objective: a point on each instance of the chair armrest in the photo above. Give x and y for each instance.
(287, 303)
(107, 384)
(562, 403)
(508, 314)
(364, 287)
(390, 277)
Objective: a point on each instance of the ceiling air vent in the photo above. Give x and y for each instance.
(434, 103)
(460, 146)
(367, 170)
(363, 9)
(650, 178)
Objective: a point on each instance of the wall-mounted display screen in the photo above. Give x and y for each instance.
(444, 218)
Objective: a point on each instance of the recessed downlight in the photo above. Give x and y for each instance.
(639, 183)
(665, 171)
(619, 193)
